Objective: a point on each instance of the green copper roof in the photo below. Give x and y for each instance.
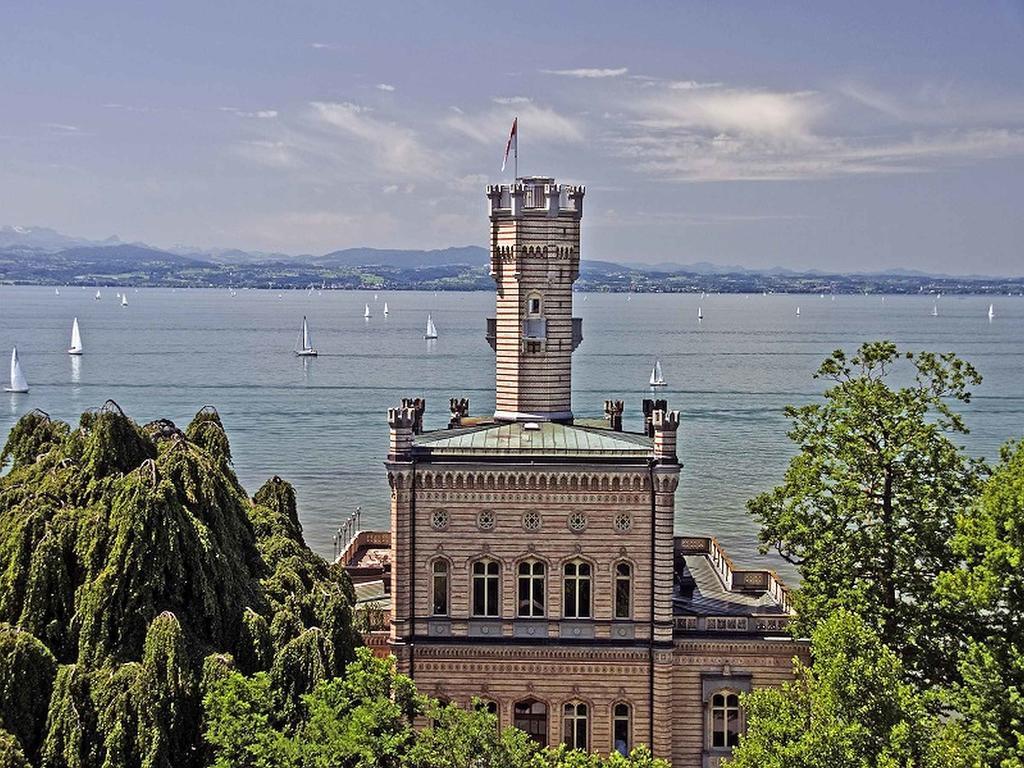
(547, 439)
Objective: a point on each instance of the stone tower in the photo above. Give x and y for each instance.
(535, 259)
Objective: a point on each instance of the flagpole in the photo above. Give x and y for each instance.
(516, 162)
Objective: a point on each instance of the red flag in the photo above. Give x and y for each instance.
(512, 136)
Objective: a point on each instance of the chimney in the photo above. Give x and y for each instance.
(401, 422)
(665, 425)
(459, 408)
(418, 405)
(649, 407)
(613, 412)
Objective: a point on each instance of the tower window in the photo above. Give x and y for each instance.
(439, 597)
(575, 720)
(622, 727)
(725, 720)
(576, 598)
(486, 583)
(531, 589)
(623, 590)
(534, 306)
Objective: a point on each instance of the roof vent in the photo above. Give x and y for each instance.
(532, 426)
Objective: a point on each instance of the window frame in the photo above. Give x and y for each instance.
(725, 708)
(532, 578)
(487, 578)
(542, 737)
(616, 579)
(627, 718)
(576, 580)
(576, 719)
(447, 576)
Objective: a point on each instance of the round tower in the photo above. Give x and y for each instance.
(535, 259)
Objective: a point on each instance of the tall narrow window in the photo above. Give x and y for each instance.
(531, 589)
(531, 717)
(725, 720)
(622, 728)
(576, 600)
(574, 725)
(623, 590)
(486, 581)
(439, 596)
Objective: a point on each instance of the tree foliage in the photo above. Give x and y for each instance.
(852, 708)
(132, 558)
(370, 719)
(867, 506)
(989, 588)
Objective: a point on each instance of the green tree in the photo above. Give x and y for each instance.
(27, 672)
(459, 737)
(989, 588)
(11, 755)
(852, 708)
(867, 507)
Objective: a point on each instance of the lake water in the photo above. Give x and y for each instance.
(321, 423)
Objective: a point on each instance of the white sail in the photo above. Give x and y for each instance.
(18, 383)
(76, 339)
(991, 311)
(935, 310)
(431, 328)
(97, 295)
(657, 379)
(798, 311)
(306, 348)
(700, 313)
(385, 309)
(56, 291)
(366, 312)
(124, 299)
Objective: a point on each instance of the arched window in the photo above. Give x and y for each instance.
(531, 717)
(725, 720)
(576, 598)
(623, 590)
(439, 588)
(486, 705)
(575, 725)
(531, 589)
(622, 728)
(486, 587)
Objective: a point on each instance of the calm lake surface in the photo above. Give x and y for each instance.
(321, 423)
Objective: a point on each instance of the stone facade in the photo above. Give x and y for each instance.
(533, 562)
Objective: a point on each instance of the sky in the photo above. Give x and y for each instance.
(827, 135)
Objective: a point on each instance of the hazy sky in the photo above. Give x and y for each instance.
(818, 134)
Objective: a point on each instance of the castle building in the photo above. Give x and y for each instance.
(533, 561)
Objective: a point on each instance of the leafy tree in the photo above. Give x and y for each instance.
(989, 588)
(27, 671)
(866, 509)
(11, 755)
(458, 737)
(852, 708)
(131, 556)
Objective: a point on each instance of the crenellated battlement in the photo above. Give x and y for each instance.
(536, 196)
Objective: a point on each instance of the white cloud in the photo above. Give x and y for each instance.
(260, 114)
(272, 154)
(511, 99)
(322, 46)
(62, 128)
(393, 148)
(587, 73)
(691, 85)
(492, 126)
(385, 87)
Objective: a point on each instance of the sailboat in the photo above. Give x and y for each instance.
(18, 383)
(657, 380)
(798, 311)
(76, 347)
(306, 348)
(700, 314)
(385, 309)
(935, 310)
(124, 299)
(991, 312)
(98, 295)
(431, 328)
(57, 291)
(366, 313)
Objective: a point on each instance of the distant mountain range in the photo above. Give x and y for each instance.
(39, 255)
